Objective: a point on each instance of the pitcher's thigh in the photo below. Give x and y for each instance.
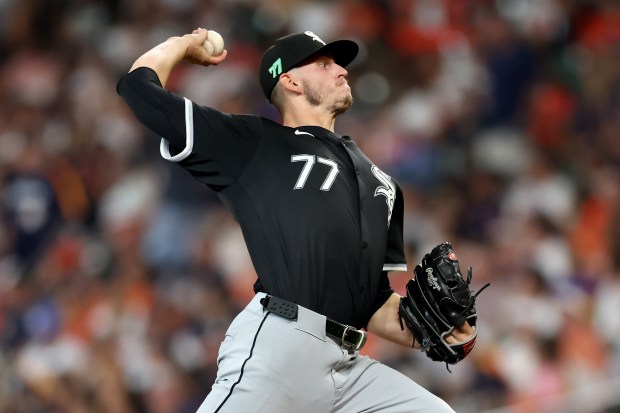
(271, 368)
(379, 388)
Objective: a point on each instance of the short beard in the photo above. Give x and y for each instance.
(314, 97)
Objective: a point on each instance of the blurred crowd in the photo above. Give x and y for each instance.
(119, 273)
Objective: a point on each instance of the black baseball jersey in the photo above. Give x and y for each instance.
(322, 223)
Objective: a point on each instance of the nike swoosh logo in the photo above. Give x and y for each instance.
(298, 132)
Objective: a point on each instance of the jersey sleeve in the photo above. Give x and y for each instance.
(213, 146)
(384, 293)
(395, 251)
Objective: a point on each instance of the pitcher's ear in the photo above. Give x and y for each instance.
(289, 82)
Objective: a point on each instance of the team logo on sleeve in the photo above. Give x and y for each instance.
(388, 190)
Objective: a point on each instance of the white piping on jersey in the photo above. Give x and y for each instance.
(394, 267)
(298, 132)
(164, 146)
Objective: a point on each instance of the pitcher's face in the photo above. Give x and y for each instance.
(324, 84)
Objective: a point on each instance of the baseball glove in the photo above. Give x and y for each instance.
(438, 300)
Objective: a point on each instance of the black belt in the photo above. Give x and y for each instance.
(346, 336)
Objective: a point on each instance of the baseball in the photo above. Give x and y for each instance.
(214, 45)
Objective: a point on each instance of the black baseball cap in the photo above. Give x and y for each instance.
(288, 51)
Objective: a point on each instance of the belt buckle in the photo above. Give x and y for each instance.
(352, 345)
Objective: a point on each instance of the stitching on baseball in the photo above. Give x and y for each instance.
(212, 44)
(213, 48)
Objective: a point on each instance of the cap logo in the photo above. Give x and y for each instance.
(276, 68)
(314, 37)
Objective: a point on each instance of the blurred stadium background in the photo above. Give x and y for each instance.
(119, 274)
